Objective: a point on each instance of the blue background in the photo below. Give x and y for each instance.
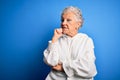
(27, 25)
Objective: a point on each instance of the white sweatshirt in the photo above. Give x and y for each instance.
(76, 55)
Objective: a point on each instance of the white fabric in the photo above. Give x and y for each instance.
(76, 55)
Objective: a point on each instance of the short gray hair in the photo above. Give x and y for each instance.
(76, 11)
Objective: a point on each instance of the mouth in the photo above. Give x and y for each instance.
(64, 27)
(64, 30)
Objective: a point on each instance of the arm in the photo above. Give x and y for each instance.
(83, 65)
(51, 56)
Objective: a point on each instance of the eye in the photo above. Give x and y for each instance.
(62, 20)
(68, 20)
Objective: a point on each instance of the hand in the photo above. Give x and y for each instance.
(57, 34)
(58, 67)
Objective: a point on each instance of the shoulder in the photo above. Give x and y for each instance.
(88, 38)
(83, 35)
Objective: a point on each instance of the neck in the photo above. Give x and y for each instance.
(73, 34)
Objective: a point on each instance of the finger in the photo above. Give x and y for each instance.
(59, 63)
(59, 30)
(55, 68)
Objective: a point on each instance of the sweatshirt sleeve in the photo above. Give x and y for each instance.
(51, 56)
(84, 64)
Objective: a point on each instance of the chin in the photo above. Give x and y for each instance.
(64, 32)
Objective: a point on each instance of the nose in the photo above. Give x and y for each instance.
(63, 22)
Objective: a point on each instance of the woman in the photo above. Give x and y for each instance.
(70, 54)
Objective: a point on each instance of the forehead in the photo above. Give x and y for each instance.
(68, 15)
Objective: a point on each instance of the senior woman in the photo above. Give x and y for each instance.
(70, 54)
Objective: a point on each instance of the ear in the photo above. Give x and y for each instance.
(78, 25)
(76, 28)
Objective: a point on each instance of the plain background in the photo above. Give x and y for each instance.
(27, 25)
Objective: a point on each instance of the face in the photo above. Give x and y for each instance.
(69, 24)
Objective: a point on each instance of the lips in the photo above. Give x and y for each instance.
(64, 27)
(64, 30)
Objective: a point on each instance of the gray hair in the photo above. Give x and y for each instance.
(76, 11)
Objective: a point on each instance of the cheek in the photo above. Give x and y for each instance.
(73, 27)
